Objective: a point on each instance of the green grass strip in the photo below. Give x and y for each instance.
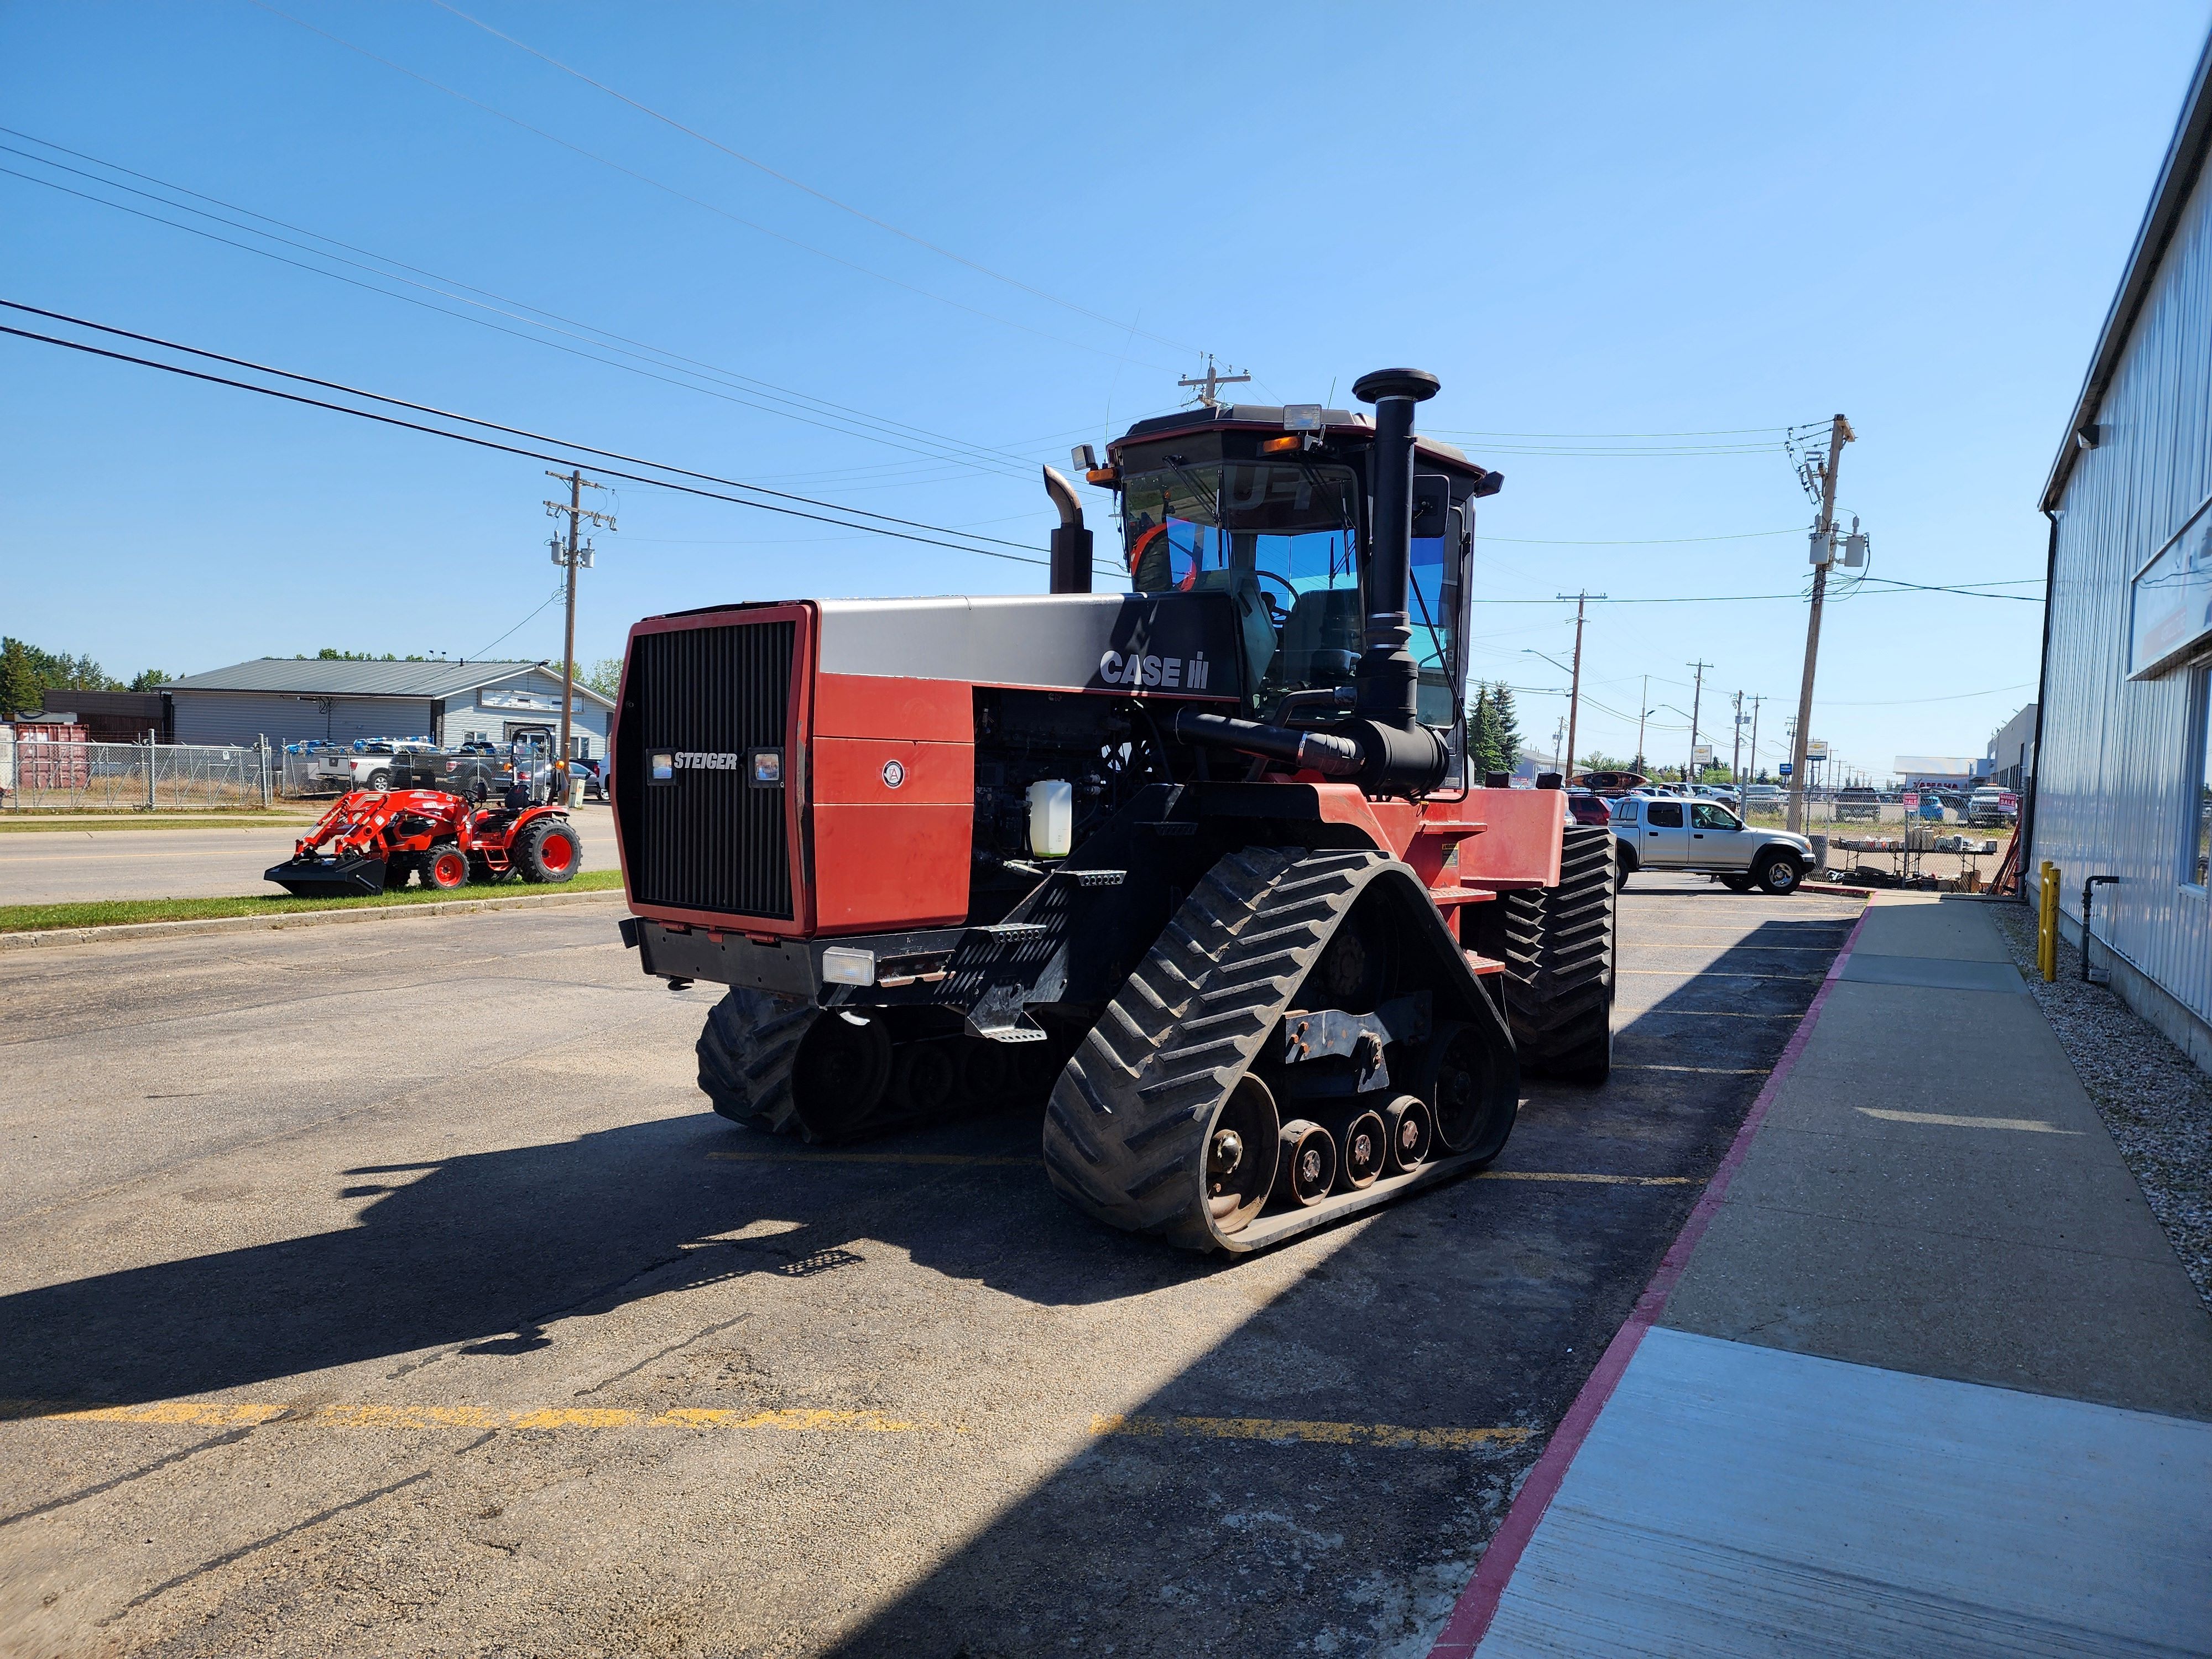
(109, 913)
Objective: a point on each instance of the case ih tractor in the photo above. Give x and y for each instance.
(1198, 868)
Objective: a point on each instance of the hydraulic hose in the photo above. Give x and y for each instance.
(1320, 751)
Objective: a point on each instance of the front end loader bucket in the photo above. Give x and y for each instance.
(349, 876)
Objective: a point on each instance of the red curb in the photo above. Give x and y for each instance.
(1478, 1603)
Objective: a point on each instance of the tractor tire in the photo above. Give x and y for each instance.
(445, 867)
(1736, 884)
(1559, 969)
(550, 850)
(759, 1053)
(1157, 1124)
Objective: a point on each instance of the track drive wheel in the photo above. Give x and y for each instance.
(1472, 1090)
(550, 851)
(783, 1065)
(1559, 976)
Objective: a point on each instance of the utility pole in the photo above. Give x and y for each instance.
(569, 559)
(1575, 684)
(1697, 702)
(1839, 434)
(1755, 702)
(1736, 760)
(1210, 383)
(1642, 709)
(1557, 732)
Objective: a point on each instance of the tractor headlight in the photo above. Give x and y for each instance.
(842, 965)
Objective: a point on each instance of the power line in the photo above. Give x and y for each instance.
(533, 454)
(818, 195)
(471, 420)
(683, 196)
(853, 422)
(1648, 541)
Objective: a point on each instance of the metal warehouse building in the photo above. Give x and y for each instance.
(296, 699)
(2123, 778)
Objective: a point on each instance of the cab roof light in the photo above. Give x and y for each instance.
(1270, 446)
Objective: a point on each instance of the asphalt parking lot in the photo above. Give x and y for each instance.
(388, 1288)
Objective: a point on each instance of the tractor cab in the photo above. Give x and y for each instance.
(1270, 506)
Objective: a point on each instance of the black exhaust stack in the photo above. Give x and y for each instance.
(1403, 756)
(1386, 677)
(1070, 543)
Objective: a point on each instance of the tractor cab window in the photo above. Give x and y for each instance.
(1434, 602)
(1280, 538)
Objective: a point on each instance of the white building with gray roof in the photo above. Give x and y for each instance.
(299, 699)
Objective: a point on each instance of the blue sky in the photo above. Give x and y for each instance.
(1588, 221)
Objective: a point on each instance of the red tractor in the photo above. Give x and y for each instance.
(1197, 870)
(374, 839)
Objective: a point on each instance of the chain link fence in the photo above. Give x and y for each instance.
(37, 774)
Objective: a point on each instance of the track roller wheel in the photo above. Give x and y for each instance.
(1309, 1162)
(1409, 1132)
(1240, 1171)
(986, 1070)
(925, 1078)
(1363, 1146)
(1473, 1089)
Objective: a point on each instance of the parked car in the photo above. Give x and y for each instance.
(382, 764)
(1651, 833)
(1931, 807)
(1763, 794)
(1985, 807)
(1857, 803)
(1610, 784)
(1585, 807)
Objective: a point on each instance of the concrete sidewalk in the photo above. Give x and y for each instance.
(1922, 1376)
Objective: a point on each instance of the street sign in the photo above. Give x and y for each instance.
(1783, 768)
(1911, 801)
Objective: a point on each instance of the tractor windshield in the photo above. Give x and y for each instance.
(1280, 537)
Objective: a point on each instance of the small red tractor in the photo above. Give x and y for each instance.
(374, 839)
(1201, 871)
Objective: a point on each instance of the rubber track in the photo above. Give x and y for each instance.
(1559, 954)
(746, 1051)
(1124, 1133)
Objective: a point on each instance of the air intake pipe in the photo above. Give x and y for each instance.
(1070, 543)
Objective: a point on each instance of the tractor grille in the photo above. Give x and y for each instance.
(710, 839)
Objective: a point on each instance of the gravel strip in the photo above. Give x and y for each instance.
(2152, 1098)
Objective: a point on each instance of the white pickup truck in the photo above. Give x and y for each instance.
(1653, 832)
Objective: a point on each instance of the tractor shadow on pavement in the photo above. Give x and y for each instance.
(489, 1250)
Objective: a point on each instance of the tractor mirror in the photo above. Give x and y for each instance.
(1431, 503)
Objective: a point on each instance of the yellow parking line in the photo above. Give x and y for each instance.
(1714, 973)
(233, 1413)
(1280, 1430)
(1595, 1179)
(796, 1156)
(1703, 1070)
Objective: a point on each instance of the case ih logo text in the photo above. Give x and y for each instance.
(1137, 670)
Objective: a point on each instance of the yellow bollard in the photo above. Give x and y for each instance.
(2047, 924)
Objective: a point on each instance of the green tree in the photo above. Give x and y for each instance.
(604, 677)
(1508, 726)
(27, 674)
(151, 680)
(1598, 761)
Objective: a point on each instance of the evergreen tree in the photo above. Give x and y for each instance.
(1482, 732)
(1507, 724)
